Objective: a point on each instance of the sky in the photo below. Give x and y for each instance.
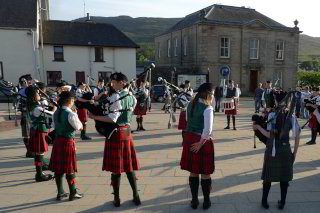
(307, 12)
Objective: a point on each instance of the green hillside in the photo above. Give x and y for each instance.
(309, 48)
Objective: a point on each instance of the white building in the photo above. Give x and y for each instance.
(69, 50)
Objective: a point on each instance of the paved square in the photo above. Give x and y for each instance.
(163, 186)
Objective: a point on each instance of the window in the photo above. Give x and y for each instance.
(169, 47)
(175, 47)
(53, 77)
(80, 77)
(279, 50)
(105, 76)
(1, 70)
(185, 45)
(98, 54)
(58, 53)
(159, 50)
(254, 48)
(224, 47)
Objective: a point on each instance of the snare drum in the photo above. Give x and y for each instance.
(228, 104)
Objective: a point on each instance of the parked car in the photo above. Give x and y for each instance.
(157, 93)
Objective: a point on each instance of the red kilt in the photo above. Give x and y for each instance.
(140, 110)
(232, 111)
(63, 156)
(83, 115)
(182, 120)
(38, 141)
(198, 163)
(312, 122)
(119, 152)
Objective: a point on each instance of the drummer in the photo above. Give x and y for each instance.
(230, 108)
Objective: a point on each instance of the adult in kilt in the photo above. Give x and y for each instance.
(119, 153)
(231, 94)
(142, 106)
(313, 124)
(38, 131)
(198, 149)
(82, 112)
(278, 156)
(63, 155)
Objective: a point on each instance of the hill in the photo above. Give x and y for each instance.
(143, 30)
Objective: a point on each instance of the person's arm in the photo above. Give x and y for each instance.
(317, 114)
(74, 121)
(262, 130)
(114, 108)
(39, 110)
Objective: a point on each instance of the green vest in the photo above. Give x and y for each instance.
(196, 121)
(38, 123)
(126, 103)
(63, 128)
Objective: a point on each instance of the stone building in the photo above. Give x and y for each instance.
(254, 47)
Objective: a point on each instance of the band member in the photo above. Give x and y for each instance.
(268, 96)
(24, 82)
(218, 94)
(313, 124)
(188, 87)
(278, 157)
(82, 112)
(38, 131)
(230, 106)
(149, 96)
(183, 100)
(100, 90)
(238, 93)
(198, 150)
(119, 153)
(141, 108)
(63, 156)
(258, 97)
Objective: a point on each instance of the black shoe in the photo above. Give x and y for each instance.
(136, 200)
(63, 195)
(265, 205)
(45, 167)
(85, 137)
(43, 177)
(234, 128)
(75, 195)
(194, 204)
(116, 201)
(280, 205)
(311, 143)
(228, 127)
(29, 155)
(206, 204)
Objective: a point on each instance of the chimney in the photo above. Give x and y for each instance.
(88, 17)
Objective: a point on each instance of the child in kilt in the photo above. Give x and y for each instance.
(38, 131)
(63, 156)
(119, 153)
(142, 106)
(198, 150)
(278, 156)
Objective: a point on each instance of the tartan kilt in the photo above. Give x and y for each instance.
(25, 125)
(280, 167)
(232, 111)
(198, 163)
(182, 121)
(63, 156)
(312, 122)
(38, 141)
(119, 152)
(83, 115)
(140, 110)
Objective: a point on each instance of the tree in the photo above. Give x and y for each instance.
(309, 78)
(146, 53)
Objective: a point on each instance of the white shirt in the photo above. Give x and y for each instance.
(39, 110)
(73, 119)
(115, 106)
(317, 114)
(96, 91)
(79, 93)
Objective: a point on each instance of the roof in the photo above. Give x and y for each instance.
(18, 13)
(227, 15)
(84, 34)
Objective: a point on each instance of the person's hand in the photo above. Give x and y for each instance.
(92, 116)
(255, 127)
(74, 109)
(196, 147)
(91, 101)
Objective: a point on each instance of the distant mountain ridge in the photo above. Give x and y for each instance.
(143, 30)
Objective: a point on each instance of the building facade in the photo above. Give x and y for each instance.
(252, 46)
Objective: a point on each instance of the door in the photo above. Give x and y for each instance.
(253, 80)
(80, 77)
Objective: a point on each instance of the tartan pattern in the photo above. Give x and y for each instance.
(25, 125)
(83, 115)
(182, 121)
(232, 111)
(38, 141)
(198, 163)
(312, 122)
(140, 110)
(63, 156)
(119, 152)
(280, 167)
